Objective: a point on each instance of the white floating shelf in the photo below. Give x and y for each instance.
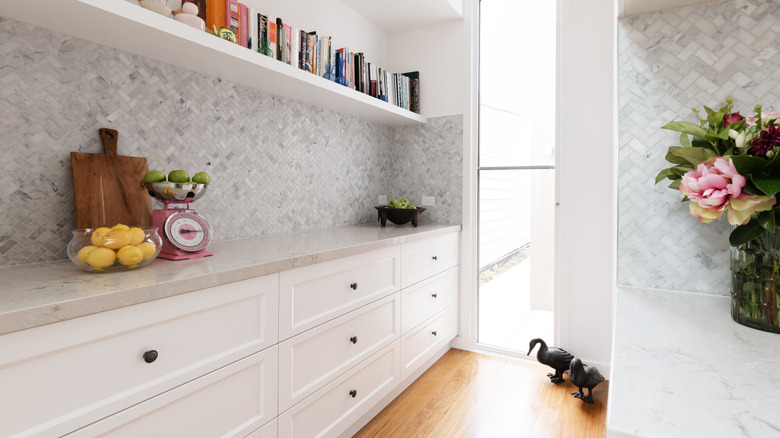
(126, 26)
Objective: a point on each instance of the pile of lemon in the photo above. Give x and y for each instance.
(118, 244)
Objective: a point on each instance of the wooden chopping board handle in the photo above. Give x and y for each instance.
(110, 138)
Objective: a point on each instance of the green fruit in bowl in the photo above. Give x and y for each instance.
(154, 176)
(201, 178)
(393, 203)
(179, 176)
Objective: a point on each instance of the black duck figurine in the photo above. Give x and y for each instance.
(553, 357)
(584, 376)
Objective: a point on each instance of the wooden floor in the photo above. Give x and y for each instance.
(466, 394)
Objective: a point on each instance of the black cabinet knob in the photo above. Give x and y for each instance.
(353, 286)
(435, 257)
(150, 356)
(353, 339)
(353, 393)
(433, 333)
(434, 295)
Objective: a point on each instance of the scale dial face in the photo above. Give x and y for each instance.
(187, 231)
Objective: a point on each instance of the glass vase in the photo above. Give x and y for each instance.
(755, 283)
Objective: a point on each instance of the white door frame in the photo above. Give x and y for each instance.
(469, 248)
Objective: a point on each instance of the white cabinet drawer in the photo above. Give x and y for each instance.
(311, 359)
(428, 297)
(232, 401)
(331, 410)
(317, 293)
(425, 258)
(267, 431)
(60, 377)
(419, 344)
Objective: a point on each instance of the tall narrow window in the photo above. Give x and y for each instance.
(516, 172)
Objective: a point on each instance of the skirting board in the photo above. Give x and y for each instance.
(355, 428)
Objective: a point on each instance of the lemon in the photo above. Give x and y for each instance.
(97, 235)
(116, 239)
(100, 258)
(120, 227)
(129, 255)
(82, 254)
(137, 236)
(148, 249)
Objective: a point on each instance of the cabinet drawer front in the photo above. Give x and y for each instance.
(428, 297)
(311, 359)
(419, 344)
(230, 402)
(267, 431)
(331, 410)
(317, 293)
(60, 377)
(428, 257)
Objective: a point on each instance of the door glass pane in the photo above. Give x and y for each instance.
(516, 242)
(517, 82)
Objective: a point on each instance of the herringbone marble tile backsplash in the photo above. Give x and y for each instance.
(277, 165)
(669, 62)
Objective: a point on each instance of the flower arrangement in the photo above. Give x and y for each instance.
(728, 164)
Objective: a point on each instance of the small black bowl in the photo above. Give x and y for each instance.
(398, 216)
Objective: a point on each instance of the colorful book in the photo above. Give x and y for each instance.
(254, 37)
(414, 91)
(262, 29)
(287, 46)
(215, 15)
(232, 12)
(243, 26)
(302, 50)
(311, 52)
(272, 36)
(279, 38)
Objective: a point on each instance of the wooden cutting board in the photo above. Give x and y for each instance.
(107, 187)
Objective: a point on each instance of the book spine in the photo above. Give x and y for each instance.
(215, 15)
(262, 29)
(311, 42)
(243, 27)
(253, 35)
(231, 15)
(287, 44)
(302, 50)
(279, 38)
(272, 36)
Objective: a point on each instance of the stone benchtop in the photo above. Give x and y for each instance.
(43, 293)
(681, 367)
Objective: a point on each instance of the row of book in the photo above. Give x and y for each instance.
(316, 54)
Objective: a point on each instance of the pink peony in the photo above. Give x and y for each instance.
(716, 187)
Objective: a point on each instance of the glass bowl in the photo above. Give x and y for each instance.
(114, 249)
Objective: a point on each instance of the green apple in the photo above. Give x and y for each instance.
(393, 203)
(201, 178)
(178, 176)
(154, 176)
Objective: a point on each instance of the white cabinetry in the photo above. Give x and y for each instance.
(212, 363)
(60, 377)
(229, 402)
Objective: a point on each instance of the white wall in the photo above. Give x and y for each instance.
(437, 52)
(586, 220)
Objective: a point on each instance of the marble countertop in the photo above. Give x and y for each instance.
(38, 294)
(681, 367)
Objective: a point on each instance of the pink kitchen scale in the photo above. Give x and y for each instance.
(186, 234)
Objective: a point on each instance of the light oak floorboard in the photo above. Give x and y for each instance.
(467, 394)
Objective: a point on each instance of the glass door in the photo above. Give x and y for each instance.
(516, 173)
